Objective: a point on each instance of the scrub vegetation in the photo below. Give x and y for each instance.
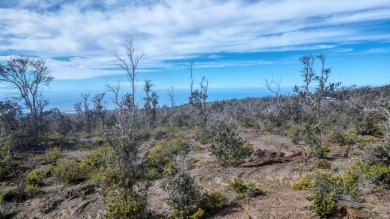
(323, 150)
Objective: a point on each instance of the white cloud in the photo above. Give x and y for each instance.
(175, 29)
(376, 51)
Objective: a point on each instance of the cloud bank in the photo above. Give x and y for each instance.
(79, 38)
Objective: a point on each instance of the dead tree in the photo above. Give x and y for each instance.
(274, 87)
(130, 66)
(171, 96)
(124, 141)
(314, 99)
(198, 97)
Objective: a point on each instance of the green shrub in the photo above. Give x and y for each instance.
(323, 164)
(380, 175)
(325, 193)
(350, 137)
(304, 183)
(375, 167)
(377, 154)
(324, 204)
(210, 203)
(328, 189)
(295, 133)
(6, 193)
(325, 148)
(312, 135)
(344, 138)
(69, 171)
(183, 193)
(93, 163)
(158, 160)
(377, 174)
(371, 124)
(198, 214)
(7, 167)
(247, 122)
(32, 190)
(125, 205)
(229, 148)
(34, 177)
(244, 188)
(52, 154)
(32, 183)
(12, 193)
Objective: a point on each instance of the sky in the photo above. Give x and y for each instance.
(235, 44)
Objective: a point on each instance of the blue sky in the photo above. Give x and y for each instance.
(235, 44)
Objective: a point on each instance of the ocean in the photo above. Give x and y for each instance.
(65, 101)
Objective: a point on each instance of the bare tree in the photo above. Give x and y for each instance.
(28, 76)
(119, 105)
(130, 66)
(274, 86)
(124, 141)
(84, 112)
(314, 99)
(198, 97)
(171, 96)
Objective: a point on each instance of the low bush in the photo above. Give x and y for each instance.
(8, 193)
(32, 190)
(247, 122)
(34, 177)
(93, 163)
(52, 154)
(323, 164)
(295, 133)
(371, 124)
(211, 203)
(328, 189)
(304, 183)
(342, 138)
(325, 193)
(244, 188)
(183, 192)
(69, 170)
(375, 167)
(33, 182)
(229, 148)
(198, 214)
(324, 204)
(158, 160)
(380, 175)
(7, 167)
(125, 205)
